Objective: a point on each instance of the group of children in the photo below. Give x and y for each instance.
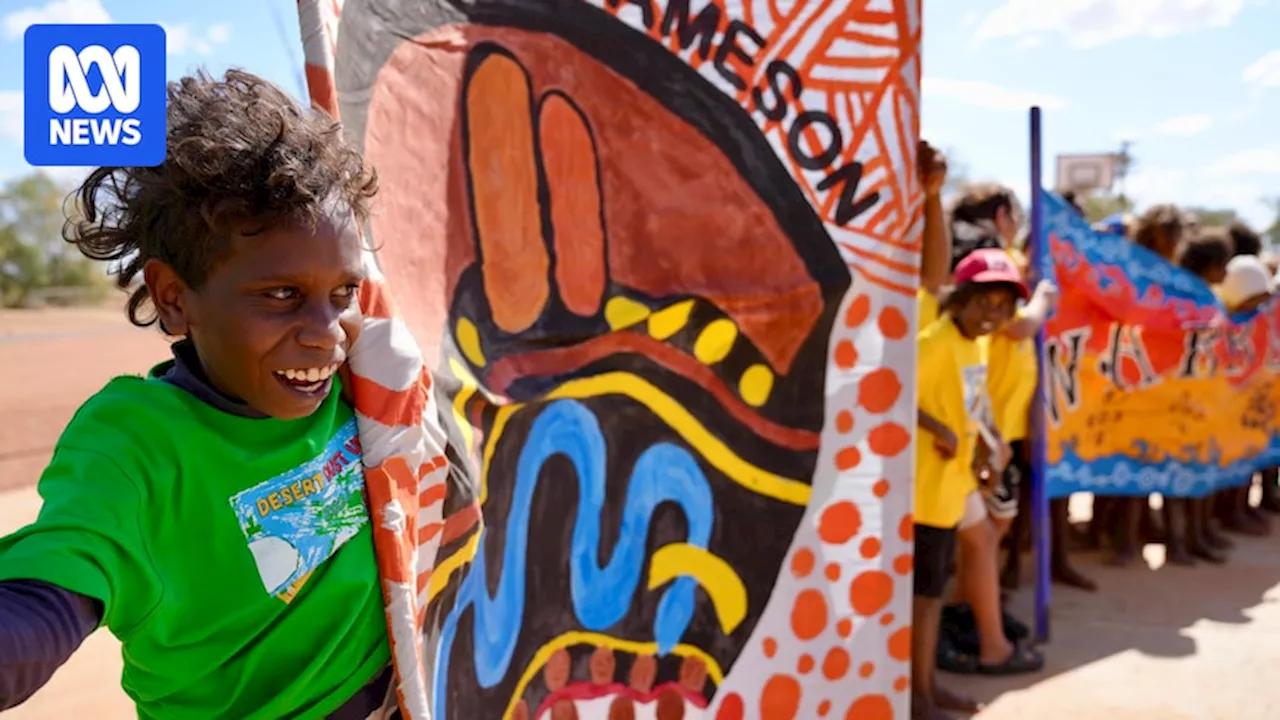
(245, 240)
(1230, 261)
(976, 379)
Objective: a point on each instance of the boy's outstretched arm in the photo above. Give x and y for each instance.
(1037, 310)
(41, 625)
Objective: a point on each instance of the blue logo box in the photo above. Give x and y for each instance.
(94, 95)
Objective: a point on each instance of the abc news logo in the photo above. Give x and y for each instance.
(94, 95)
(69, 89)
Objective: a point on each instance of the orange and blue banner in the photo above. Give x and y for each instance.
(1152, 385)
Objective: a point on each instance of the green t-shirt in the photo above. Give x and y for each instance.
(233, 556)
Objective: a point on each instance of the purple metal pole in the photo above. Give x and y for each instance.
(1040, 523)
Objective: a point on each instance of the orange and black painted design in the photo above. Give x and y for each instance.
(627, 301)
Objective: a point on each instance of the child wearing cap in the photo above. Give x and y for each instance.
(952, 405)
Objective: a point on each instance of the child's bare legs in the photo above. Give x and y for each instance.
(1198, 543)
(935, 549)
(979, 587)
(1125, 540)
(926, 621)
(1235, 513)
(1206, 516)
(1175, 542)
(1271, 490)
(1060, 566)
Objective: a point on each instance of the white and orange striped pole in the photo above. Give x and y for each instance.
(318, 21)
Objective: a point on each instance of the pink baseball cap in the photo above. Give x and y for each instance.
(990, 265)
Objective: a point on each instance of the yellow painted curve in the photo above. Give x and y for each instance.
(677, 417)
(727, 591)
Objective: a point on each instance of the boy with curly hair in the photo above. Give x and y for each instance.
(211, 514)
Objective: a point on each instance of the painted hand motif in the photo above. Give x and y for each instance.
(637, 332)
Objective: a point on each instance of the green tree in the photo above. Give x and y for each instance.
(33, 255)
(1098, 206)
(1214, 218)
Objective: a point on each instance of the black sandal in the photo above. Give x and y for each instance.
(959, 618)
(1023, 661)
(953, 660)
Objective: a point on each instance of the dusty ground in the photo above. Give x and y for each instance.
(1163, 644)
(51, 360)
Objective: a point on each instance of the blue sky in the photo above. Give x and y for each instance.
(1195, 84)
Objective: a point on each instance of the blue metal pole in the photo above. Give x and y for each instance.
(1039, 486)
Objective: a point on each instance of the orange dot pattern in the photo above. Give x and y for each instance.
(829, 644)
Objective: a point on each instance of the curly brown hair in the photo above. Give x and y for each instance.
(1207, 249)
(241, 156)
(982, 201)
(1160, 225)
(1244, 240)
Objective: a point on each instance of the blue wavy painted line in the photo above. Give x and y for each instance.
(1126, 475)
(601, 595)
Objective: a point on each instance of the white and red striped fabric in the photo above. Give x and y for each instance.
(403, 441)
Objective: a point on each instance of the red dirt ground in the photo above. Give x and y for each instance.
(51, 361)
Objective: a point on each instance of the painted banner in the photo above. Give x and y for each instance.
(660, 259)
(1153, 386)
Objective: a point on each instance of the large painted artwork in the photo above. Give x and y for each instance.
(1155, 385)
(659, 260)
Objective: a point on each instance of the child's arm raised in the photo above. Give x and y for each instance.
(1037, 310)
(41, 625)
(935, 245)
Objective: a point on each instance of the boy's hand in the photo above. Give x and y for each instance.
(982, 467)
(1046, 293)
(932, 166)
(945, 442)
(1003, 457)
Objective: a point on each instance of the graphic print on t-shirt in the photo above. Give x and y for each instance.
(975, 391)
(297, 520)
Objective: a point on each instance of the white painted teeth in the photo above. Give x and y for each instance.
(309, 374)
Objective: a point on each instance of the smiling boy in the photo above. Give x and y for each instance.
(211, 514)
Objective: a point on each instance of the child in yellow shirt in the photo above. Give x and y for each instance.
(953, 399)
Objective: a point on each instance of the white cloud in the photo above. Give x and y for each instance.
(1184, 125)
(55, 11)
(1257, 161)
(1265, 71)
(1151, 185)
(987, 95)
(1126, 134)
(219, 33)
(181, 39)
(10, 115)
(1087, 23)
